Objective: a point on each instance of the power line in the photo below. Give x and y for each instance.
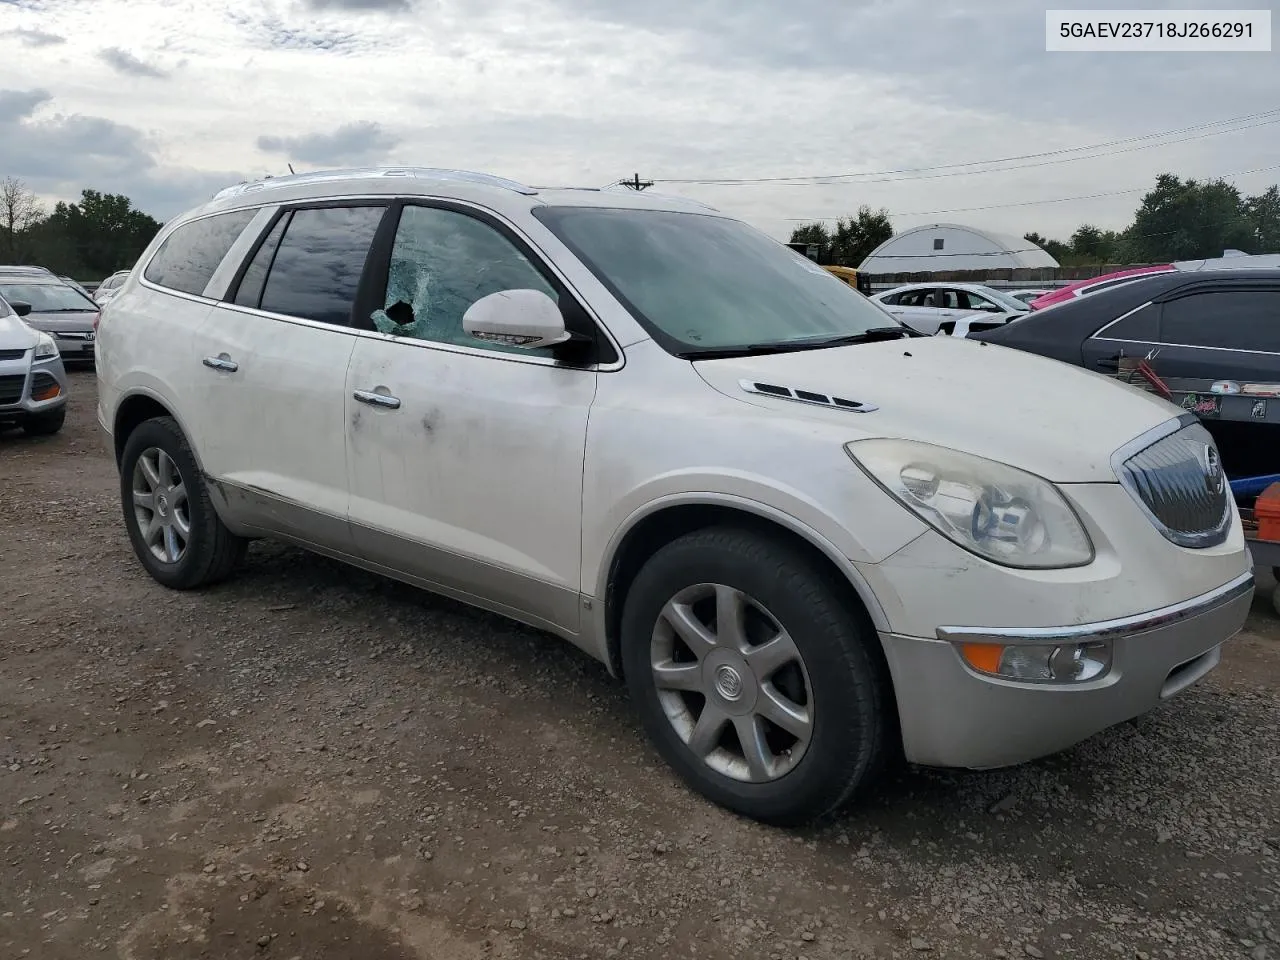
(636, 184)
(1030, 203)
(960, 169)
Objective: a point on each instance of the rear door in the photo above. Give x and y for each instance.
(914, 309)
(1135, 334)
(1223, 334)
(269, 369)
(1226, 332)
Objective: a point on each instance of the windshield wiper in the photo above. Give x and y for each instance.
(873, 335)
(66, 310)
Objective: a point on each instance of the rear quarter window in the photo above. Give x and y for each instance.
(1139, 327)
(189, 256)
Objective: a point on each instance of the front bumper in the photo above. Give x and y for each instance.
(74, 347)
(19, 379)
(953, 716)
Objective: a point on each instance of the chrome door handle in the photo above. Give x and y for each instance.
(377, 399)
(218, 363)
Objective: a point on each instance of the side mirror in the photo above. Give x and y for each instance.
(20, 307)
(528, 319)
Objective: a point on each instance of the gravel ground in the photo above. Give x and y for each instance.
(311, 762)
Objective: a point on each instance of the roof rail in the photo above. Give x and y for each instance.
(357, 173)
(688, 200)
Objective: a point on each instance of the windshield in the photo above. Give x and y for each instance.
(47, 297)
(1005, 300)
(702, 284)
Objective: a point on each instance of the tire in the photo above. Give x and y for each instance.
(210, 552)
(847, 698)
(44, 424)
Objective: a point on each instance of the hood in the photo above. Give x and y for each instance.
(1058, 421)
(15, 334)
(62, 322)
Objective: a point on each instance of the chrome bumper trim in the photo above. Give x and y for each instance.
(1105, 629)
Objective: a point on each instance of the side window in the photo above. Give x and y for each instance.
(187, 259)
(1139, 327)
(441, 263)
(318, 263)
(250, 292)
(1231, 319)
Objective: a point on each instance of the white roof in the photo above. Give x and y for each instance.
(943, 285)
(482, 188)
(963, 248)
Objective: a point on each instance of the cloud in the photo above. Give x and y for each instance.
(18, 104)
(60, 155)
(36, 38)
(358, 5)
(587, 91)
(123, 61)
(352, 143)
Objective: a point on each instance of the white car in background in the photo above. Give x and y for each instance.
(109, 287)
(1026, 296)
(925, 306)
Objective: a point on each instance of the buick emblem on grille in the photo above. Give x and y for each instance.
(1213, 478)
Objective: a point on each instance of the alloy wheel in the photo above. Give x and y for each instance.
(732, 683)
(160, 505)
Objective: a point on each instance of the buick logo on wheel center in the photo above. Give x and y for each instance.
(728, 683)
(1213, 478)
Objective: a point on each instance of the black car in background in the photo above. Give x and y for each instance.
(1213, 338)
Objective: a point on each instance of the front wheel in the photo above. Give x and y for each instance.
(176, 534)
(754, 675)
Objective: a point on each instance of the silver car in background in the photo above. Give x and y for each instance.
(56, 309)
(33, 383)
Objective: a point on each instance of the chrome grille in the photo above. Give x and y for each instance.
(1178, 481)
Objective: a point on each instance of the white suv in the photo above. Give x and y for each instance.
(807, 537)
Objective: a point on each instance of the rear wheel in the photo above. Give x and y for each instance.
(174, 530)
(44, 424)
(754, 676)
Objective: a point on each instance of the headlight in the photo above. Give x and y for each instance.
(45, 347)
(1006, 515)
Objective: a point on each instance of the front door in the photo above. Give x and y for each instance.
(272, 375)
(465, 458)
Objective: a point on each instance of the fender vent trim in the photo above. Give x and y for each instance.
(806, 396)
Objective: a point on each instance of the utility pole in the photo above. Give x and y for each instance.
(636, 183)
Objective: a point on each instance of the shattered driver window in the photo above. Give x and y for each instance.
(443, 262)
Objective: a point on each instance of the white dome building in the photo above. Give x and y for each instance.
(953, 246)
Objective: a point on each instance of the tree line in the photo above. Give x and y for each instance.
(1176, 220)
(86, 240)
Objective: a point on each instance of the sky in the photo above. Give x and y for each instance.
(167, 101)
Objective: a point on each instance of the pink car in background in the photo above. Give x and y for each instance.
(1092, 285)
